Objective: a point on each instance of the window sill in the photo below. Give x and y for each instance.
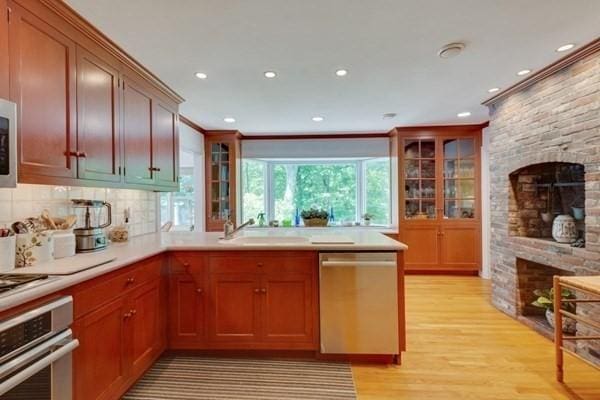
(375, 228)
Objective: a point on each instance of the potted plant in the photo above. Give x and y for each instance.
(545, 300)
(315, 217)
(367, 218)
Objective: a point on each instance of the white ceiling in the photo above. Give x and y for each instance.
(388, 46)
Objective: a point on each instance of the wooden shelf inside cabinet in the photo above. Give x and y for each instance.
(222, 149)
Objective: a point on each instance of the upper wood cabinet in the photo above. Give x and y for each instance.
(42, 83)
(222, 150)
(88, 115)
(165, 146)
(137, 133)
(439, 207)
(98, 141)
(4, 93)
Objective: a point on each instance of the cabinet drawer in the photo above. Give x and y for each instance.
(183, 263)
(106, 288)
(289, 262)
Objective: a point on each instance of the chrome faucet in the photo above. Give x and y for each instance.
(230, 231)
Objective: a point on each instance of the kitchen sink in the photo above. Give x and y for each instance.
(266, 240)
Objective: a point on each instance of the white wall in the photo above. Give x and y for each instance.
(485, 206)
(192, 141)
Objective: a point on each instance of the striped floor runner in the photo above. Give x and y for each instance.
(203, 378)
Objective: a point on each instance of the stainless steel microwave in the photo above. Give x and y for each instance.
(8, 144)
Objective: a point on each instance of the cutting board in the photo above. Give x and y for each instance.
(68, 265)
(331, 239)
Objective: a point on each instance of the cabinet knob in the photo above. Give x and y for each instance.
(186, 264)
(127, 315)
(256, 290)
(259, 264)
(129, 281)
(133, 312)
(199, 290)
(263, 290)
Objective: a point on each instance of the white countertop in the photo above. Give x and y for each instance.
(145, 246)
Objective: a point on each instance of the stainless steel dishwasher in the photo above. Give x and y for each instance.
(358, 303)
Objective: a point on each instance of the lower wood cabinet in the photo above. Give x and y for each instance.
(100, 362)
(120, 339)
(238, 300)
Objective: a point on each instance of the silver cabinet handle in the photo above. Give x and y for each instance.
(357, 264)
(39, 365)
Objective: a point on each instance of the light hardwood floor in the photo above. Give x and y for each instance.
(461, 347)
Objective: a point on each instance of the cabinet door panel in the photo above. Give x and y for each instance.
(165, 145)
(234, 308)
(97, 118)
(460, 247)
(4, 94)
(42, 83)
(137, 134)
(145, 322)
(423, 246)
(99, 363)
(186, 311)
(288, 308)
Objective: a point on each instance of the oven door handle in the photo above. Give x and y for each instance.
(62, 345)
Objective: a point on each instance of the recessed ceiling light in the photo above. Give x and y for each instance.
(229, 120)
(341, 72)
(270, 74)
(317, 119)
(201, 75)
(523, 72)
(463, 114)
(565, 47)
(493, 90)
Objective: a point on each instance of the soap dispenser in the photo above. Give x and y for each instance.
(261, 219)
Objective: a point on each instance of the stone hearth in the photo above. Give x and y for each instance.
(555, 120)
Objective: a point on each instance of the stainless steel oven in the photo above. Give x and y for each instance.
(35, 353)
(8, 144)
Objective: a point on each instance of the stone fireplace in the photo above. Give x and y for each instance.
(544, 156)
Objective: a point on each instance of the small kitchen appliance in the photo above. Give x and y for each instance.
(90, 236)
(8, 144)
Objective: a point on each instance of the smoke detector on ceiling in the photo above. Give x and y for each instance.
(451, 50)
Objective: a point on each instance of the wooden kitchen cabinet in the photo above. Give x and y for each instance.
(262, 301)
(222, 149)
(120, 325)
(439, 207)
(137, 133)
(88, 114)
(144, 314)
(165, 146)
(42, 64)
(288, 313)
(4, 92)
(100, 362)
(187, 301)
(98, 130)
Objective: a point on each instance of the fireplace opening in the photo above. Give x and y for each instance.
(533, 278)
(547, 201)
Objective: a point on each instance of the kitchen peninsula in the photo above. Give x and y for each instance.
(262, 291)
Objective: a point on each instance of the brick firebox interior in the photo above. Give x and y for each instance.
(554, 120)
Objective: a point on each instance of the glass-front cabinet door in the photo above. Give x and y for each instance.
(459, 178)
(419, 179)
(220, 194)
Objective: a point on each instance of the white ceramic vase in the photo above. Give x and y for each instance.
(564, 229)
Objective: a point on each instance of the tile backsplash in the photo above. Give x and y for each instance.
(30, 200)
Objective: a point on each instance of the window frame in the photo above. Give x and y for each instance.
(361, 183)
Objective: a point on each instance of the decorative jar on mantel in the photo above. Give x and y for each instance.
(564, 229)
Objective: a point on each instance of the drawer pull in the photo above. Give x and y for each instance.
(127, 315)
(129, 281)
